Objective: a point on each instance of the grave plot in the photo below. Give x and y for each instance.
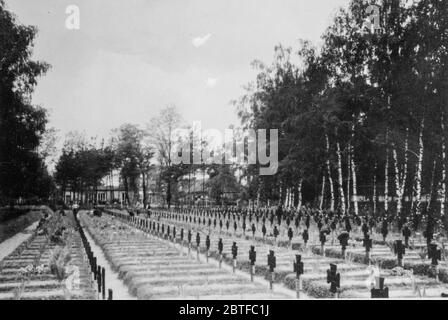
(291, 235)
(47, 266)
(356, 279)
(157, 269)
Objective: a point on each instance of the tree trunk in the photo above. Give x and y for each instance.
(299, 194)
(444, 182)
(126, 190)
(330, 179)
(349, 159)
(432, 191)
(145, 200)
(374, 189)
(322, 193)
(168, 193)
(341, 188)
(386, 175)
(353, 166)
(418, 180)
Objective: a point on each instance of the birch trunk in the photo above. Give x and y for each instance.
(341, 188)
(348, 176)
(322, 193)
(418, 180)
(386, 175)
(432, 186)
(299, 194)
(353, 166)
(330, 179)
(444, 182)
(374, 189)
(401, 177)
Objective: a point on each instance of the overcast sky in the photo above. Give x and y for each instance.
(131, 58)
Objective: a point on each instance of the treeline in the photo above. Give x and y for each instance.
(23, 172)
(361, 119)
(140, 160)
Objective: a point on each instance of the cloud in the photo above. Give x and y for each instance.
(211, 82)
(198, 42)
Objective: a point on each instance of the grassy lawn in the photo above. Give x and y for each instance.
(11, 226)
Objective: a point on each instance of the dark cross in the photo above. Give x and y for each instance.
(272, 263)
(399, 250)
(368, 244)
(207, 245)
(234, 250)
(174, 233)
(235, 226)
(298, 269)
(182, 234)
(252, 259)
(343, 241)
(276, 233)
(384, 229)
(263, 230)
(253, 230)
(189, 241)
(305, 236)
(334, 279)
(234, 255)
(298, 266)
(198, 239)
(434, 254)
(381, 292)
(319, 225)
(290, 235)
(406, 234)
(220, 246)
(322, 239)
(365, 229)
(297, 223)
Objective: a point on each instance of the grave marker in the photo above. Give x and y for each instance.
(290, 235)
(252, 259)
(367, 243)
(298, 269)
(220, 248)
(435, 255)
(334, 279)
(234, 255)
(272, 263)
(343, 241)
(207, 246)
(399, 251)
(305, 236)
(322, 239)
(380, 292)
